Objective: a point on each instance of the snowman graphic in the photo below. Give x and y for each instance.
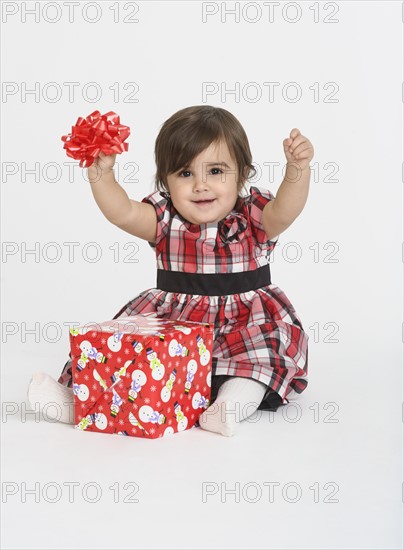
(185, 330)
(114, 342)
(76, 332)
(203, 352)
(192, 367)
(154, 333)
(81, 363)
(84, 423)
(139, 379)
(81, 391)
(135, 422)
(121, 372)
(165, 393)
(99, 379)
(88, 351)
(116, 403)
(182, 420)
(175, 348)
(137, 346)
(155, 365)
(168, 431)
(147, 414)
(99, 419)
(199, 401)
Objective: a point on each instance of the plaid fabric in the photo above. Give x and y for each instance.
(237, 243)
(258, 333)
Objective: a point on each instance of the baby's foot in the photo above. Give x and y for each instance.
(219, 418)
(54, 399)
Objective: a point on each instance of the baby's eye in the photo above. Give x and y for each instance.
(220, 170)
(184, 172)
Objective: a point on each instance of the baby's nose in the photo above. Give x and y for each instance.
(200, 183)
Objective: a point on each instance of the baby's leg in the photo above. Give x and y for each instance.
(237, 399)
(54, 399)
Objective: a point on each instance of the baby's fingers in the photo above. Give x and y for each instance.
(106, 160)
(294, 133)
(303, 153)
(105, 157)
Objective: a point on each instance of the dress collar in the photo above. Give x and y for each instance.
(230, 229)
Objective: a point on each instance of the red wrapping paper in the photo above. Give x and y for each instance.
(93, 134)
(141, 376)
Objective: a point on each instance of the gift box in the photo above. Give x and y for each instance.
(141, 376)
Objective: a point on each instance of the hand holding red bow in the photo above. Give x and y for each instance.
(101, 165)
(98, 137)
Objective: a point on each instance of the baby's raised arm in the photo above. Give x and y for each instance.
(292, 194)
(134, 217)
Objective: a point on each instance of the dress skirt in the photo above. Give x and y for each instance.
(257, 334)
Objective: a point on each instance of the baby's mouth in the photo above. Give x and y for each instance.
(204, 202)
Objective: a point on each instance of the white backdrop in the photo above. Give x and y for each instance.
(334, 71)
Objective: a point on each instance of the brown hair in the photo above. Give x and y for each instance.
(190, 131)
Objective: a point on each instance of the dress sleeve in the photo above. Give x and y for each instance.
(161, 202)
(257, 200)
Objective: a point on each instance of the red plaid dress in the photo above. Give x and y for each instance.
(258, 333)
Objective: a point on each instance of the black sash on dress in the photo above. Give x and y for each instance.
(213, 284)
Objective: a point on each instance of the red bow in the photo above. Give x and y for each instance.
(93, 134)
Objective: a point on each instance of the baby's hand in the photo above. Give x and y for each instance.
(298, 149)
(102, 164)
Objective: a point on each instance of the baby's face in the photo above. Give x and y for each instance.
(208, 178)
